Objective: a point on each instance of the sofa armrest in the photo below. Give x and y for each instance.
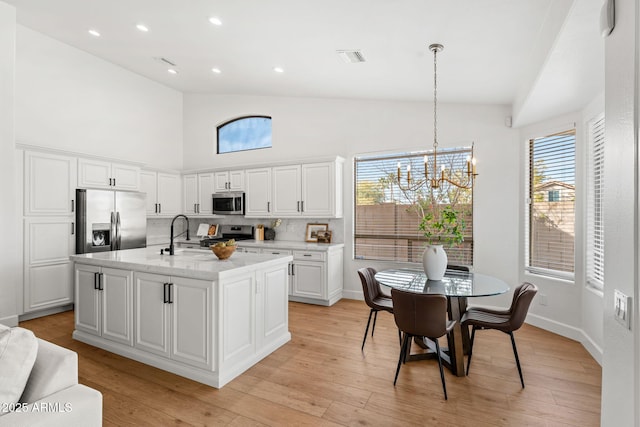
(55, 369)
(77, 405)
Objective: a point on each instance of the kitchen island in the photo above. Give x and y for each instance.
(191, 314)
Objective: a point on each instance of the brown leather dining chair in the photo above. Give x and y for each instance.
(506, 321)
(375, 299)
(420, 315)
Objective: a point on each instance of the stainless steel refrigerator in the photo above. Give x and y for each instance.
(110, 220)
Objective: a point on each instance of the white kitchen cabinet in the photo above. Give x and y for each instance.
(258, 194)
(256, 313)
(173, 318)
(316, 276)
(164, 191)
(50, 183)
(198, 189)
(272, 314)
(48, 242)
(321, 191)
(104, 302)
(316, 273)
(308, 190)
(228, 181)
(286, 196)
(104, 174)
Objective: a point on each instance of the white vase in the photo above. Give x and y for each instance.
(434, 262)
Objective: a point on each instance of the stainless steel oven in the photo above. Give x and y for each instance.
(228, 203)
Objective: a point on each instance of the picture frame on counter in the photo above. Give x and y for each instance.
(324, 236)
(312, 232)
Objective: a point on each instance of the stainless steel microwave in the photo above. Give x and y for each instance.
(228, 203)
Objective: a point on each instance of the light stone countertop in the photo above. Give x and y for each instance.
(289, 244)
(193, 263)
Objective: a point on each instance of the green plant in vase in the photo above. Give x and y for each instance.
(440, 228)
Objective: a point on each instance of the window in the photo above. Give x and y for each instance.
(244, 133)
(595, 187)
(551, 214)
(387, 217)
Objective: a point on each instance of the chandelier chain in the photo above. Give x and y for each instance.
(435, 99)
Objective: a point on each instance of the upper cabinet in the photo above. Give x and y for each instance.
(102, 174)
(163, 192)
(198, 188)
(309, 190)
(229, 181)
(50, 182)
(258, 194)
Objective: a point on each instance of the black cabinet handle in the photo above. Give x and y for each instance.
(268, 206)
(298, 205)
(100, 281)
(95, 281)
(170, 293)
(73, 205)
(302, 206)
(159, 207)
(165, 298)
(114, 182)
(73, 228)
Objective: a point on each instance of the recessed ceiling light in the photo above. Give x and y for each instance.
(142, 28)
(215, 20)
(278, 69)
(172, 71)
(216, 70)
(94, 33)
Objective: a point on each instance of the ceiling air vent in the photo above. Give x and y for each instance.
(351, 56)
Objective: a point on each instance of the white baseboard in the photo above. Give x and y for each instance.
(9, 320)
(357, 295)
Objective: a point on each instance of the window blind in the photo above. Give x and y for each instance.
(595, 187)
(551, 215)
(387, 215)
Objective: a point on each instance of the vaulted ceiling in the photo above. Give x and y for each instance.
(542, 57)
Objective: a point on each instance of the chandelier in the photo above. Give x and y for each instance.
(462, 178)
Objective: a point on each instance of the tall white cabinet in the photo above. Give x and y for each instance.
(48, 230)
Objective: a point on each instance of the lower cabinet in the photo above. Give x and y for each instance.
(48, 242)
(207, 330)
(315, 275)
(173, 318)
(104, 302)
(256, 313)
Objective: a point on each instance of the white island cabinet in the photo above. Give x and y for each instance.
(190, 314)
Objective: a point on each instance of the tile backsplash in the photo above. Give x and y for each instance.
(292, 229)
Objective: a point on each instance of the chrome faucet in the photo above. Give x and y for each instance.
(171, 247)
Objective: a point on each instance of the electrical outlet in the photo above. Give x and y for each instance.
(622, 308)
(542, 299)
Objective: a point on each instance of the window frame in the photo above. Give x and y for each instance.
(530, 196)
(414, 238)
(594, 244)
(254, 116)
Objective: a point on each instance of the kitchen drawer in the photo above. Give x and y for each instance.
(308, 255)
(276, 251)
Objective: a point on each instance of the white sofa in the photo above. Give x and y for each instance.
(52, 396)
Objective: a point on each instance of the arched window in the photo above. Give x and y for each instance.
(244, 133)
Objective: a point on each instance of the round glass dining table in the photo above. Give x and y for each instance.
(457, 286)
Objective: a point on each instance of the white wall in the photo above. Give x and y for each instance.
(620, 367)
(10, 260)
(306, 128)
(70, 100)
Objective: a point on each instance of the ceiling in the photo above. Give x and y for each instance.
(516, 53)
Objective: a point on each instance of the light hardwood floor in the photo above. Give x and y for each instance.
(322, 378)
